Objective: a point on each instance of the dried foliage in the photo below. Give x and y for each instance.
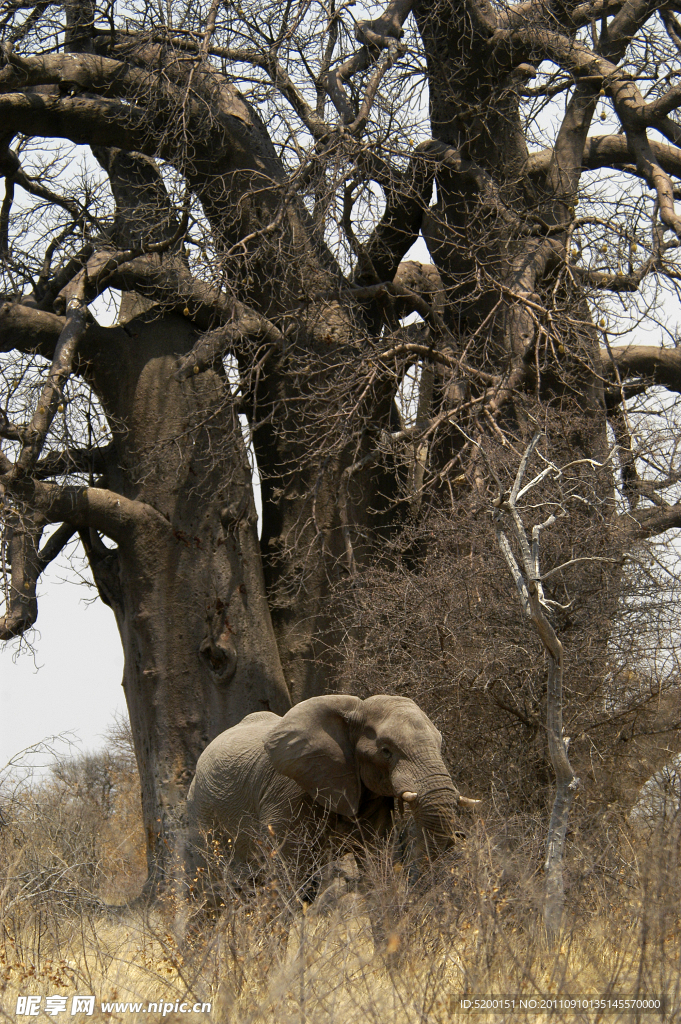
(371, 946)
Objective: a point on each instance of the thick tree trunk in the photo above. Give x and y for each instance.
(186, 585)
(320, 525)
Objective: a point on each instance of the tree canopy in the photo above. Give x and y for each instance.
(254, 178)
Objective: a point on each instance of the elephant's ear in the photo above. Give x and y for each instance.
(312, 745)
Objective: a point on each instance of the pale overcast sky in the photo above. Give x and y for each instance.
(73, 681)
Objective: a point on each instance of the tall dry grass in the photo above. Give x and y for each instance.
(374, 948)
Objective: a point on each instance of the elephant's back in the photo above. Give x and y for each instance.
(225, 786)
(238, 792)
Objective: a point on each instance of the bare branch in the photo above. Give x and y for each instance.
(213, 345)
(21, 540)
(517, 483)
(54, 546)
(611, 151)
(641, 524)
(93, 460)
(65, 351)
(379, 34)
(517, 575)
(95, 508)
(27, 329)
(657, 365)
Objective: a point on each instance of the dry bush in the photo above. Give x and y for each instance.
(453, 637)
(471, 926)
(74, 834)
(373, 946)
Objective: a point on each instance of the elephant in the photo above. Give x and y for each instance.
(658, 807)
(333, 765)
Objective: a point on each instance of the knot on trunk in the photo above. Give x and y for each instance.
(240, 509)
(220, 656)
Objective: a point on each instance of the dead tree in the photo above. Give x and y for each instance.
(529, 584)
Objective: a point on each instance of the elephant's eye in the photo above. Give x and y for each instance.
(387, 753)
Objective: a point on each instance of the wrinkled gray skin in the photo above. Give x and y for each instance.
(335, 762)
(658, 807)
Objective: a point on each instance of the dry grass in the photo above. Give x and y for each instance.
(384, 950)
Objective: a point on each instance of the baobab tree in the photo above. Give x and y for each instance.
(256, 175)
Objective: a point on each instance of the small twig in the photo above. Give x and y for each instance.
(522, 467)
(577, 561)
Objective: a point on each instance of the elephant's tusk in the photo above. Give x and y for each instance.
(467, 801)
(409, 798)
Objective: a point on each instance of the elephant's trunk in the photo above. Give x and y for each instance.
(435, 810)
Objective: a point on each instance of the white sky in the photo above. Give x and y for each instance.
(73, 680)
